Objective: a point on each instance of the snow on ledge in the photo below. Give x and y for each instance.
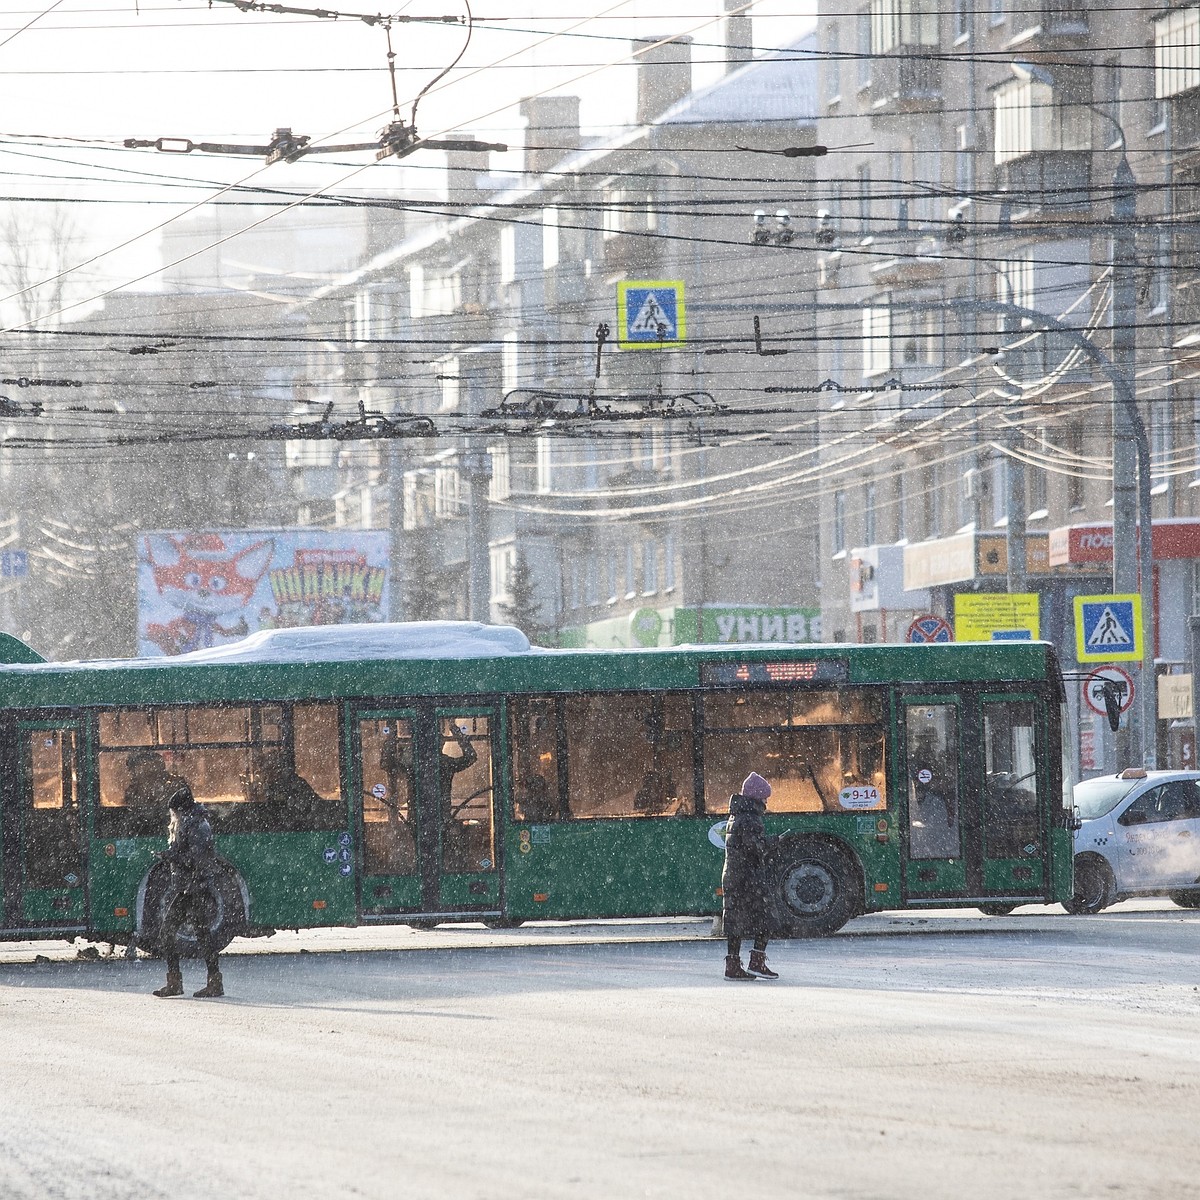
(363, 643)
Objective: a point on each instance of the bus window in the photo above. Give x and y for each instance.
(933, 829)
(1010, 779)
(533, 751)
(630, 755)
(821, 751)
(389, 819)
(465, 785)
(254, 770)
(53, 850)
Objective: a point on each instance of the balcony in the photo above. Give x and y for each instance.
(566, 286)
(1052, 19)
(638, 256)
(906, 79)
(1049, 181)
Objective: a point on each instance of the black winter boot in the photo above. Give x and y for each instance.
(758, 964)
(212, 989)
(173, 986)
(733, 968)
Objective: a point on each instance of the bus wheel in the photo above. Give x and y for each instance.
(814, 893)
(228, 914)
(1186, 899)
(996, 910)
(1095, 887)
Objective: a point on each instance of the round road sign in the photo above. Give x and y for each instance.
(1093, 688)
(930, 629)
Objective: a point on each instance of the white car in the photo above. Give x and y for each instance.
(1139, 835)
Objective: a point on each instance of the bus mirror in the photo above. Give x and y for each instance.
(1114, 691)
(1074, 821)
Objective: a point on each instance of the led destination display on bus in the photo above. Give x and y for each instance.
(817, 670)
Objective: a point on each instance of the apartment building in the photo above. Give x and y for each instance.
(1001, 142)
(667, 514)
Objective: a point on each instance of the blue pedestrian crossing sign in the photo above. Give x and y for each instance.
(1108, 628)
(651, 314)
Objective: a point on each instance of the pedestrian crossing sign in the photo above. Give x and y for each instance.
(650, 314)
(1108, 628)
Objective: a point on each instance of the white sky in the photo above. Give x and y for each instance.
(108, 70)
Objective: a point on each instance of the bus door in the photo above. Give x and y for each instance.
(429, 810)
(1014, 819)
(45, 880)
(933, 819)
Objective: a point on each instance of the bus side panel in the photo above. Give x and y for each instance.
(611, 868)
(295, 880)
(116, 870)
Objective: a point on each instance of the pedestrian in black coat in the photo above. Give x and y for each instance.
(745, 879)
(191, 897)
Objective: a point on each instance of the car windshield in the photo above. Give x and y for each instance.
(1095, 797)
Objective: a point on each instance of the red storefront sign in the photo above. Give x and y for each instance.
(1070, 545)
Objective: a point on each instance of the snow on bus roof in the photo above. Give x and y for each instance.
(341, 643)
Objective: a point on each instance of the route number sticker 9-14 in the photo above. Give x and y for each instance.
(860, 796)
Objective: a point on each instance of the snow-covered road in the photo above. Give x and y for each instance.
(946, 1055)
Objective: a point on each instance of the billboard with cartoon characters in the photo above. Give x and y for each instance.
(204, 589)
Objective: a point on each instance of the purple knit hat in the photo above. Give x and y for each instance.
(755, 787)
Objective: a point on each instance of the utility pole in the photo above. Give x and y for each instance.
(476, 465)
(1139, 731)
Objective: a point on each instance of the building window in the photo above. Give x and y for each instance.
(500, 484)
(862, 47)
(917, 336)
(1032, 117)
(510, 363)
(503, 560)
(902, 506)
(964, 162)
(999, 490)
(839, 523)
(901, 23)
(649, 567)
(1177, 53)
(448, 384)
(876, 339)
(508, 254)
(545, 464)
(1075, 481)
(549, 237)
(631, 587)
(997, 11)
(869, 531)
(591, 580)
(612, 215)
(962, 18)
(669, 563)
(612, 577)
(833, 64)
(864, 198)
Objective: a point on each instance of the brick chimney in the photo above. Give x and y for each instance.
(738, 35)
(664, 74)
(467, 171)
(551, 130)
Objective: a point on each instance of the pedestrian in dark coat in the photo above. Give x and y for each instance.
(191, 894)
(745, 879)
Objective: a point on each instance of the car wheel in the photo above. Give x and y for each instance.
(996, 910)
(1095, 888)
(1186, 899)
(228, 912)
(815, 890)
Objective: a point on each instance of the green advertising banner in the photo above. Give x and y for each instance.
(737, 623)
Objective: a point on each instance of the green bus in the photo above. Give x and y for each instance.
(425, 773)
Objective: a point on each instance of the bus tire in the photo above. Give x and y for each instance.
(1186, 899)
(996, 910)
(229, 916)
(816, 889)
(1095, 887)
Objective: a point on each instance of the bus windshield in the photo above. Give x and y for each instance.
(1096, 797)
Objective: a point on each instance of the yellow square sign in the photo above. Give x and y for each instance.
(996, 617)
(1108, 628)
